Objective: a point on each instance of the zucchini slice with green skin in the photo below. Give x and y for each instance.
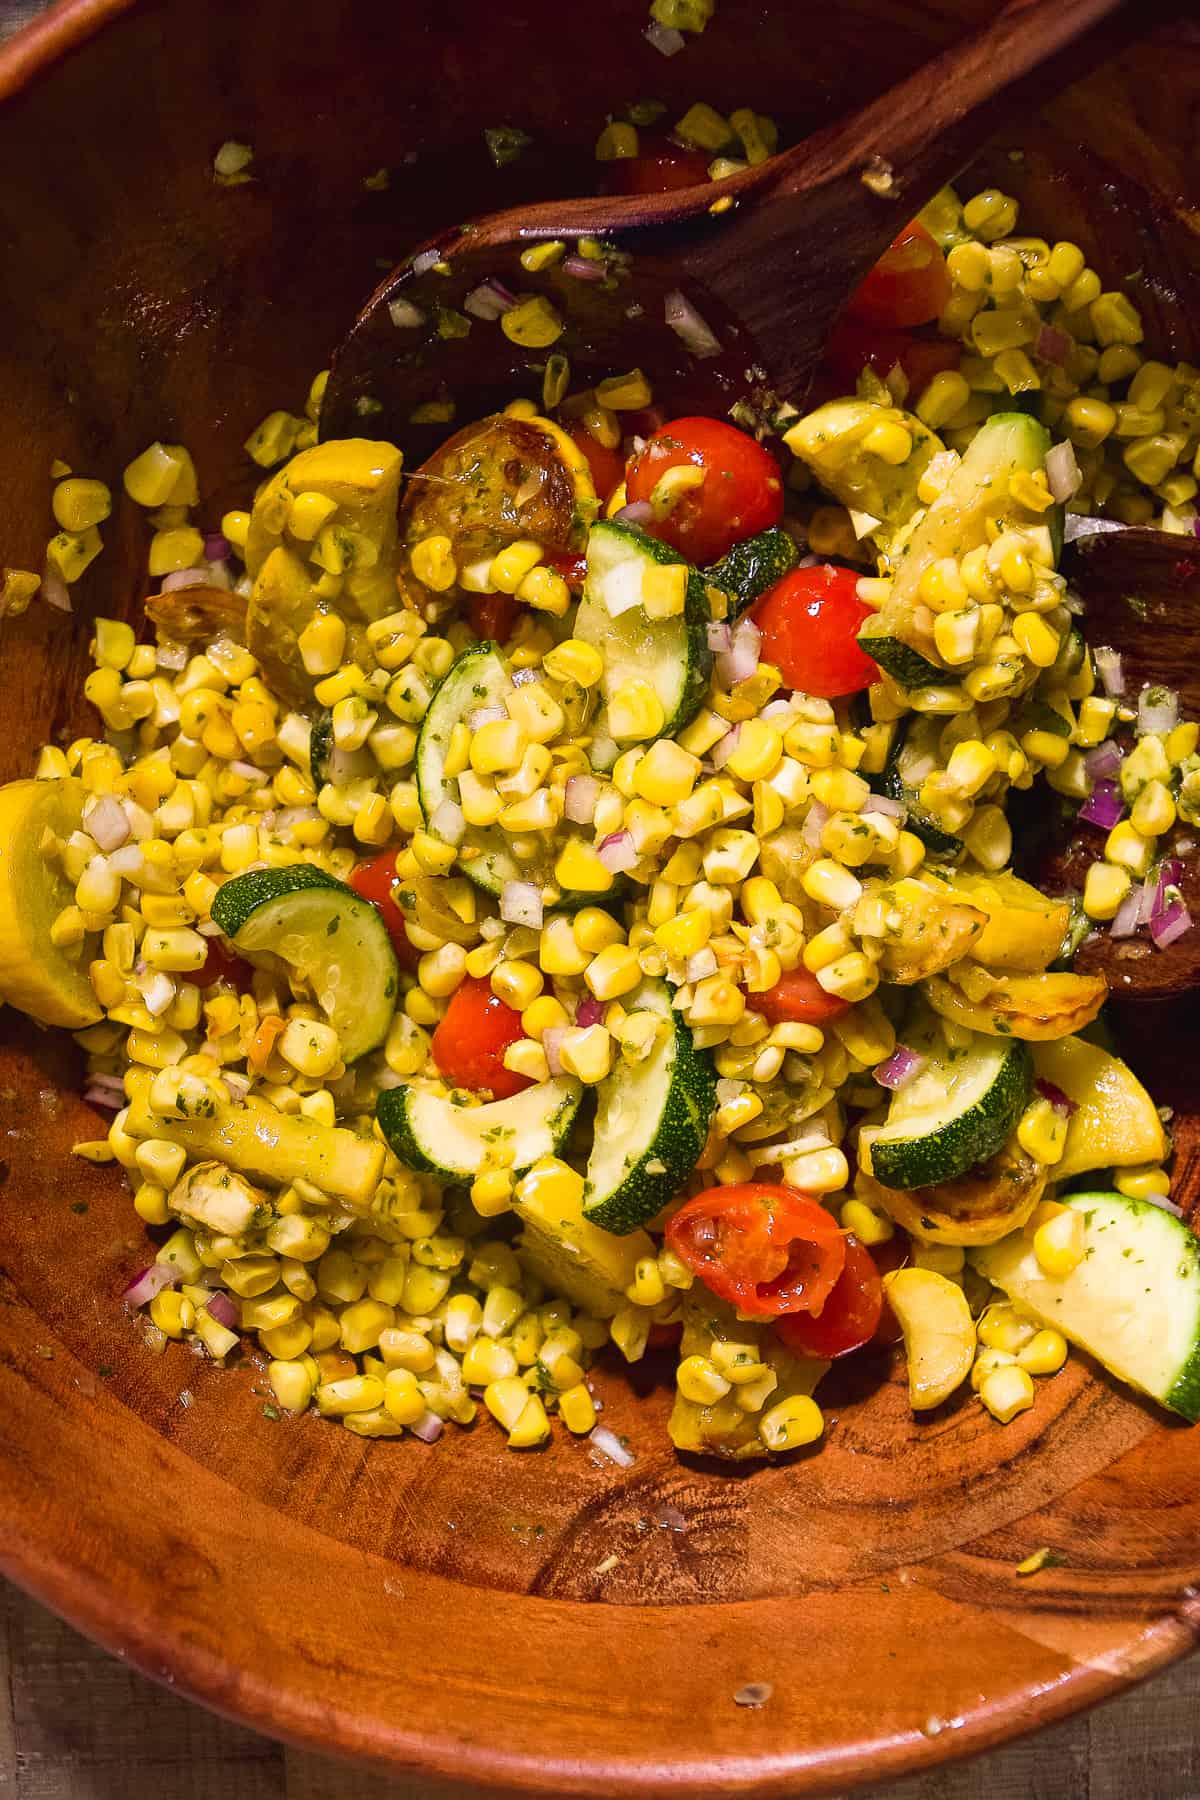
(955, 1112)
(672, 654)
(330, 936)
(651, 1122)
(953, 524)
(479, 678)
(442, 1134)
(912, 756)
(1133, 1301)
(753, 566)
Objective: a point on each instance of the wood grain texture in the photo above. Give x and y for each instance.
(441, 1611)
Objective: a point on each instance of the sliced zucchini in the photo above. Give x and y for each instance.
(832, 442)
(753, 566)
(651, 1122)
(327, 935)
(954, 1113)
(1115, 1122)
(906, 666)
(914, 754)
(576, 1258)
(450, 1134)
(672, 653)
(954, 524)
(1133, 1301)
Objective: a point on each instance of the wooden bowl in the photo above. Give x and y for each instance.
(456, 1611)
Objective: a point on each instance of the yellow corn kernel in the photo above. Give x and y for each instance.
(69, 553)
(1141, 1180)
(685, 934)
(826, 882)
(162, 475)
(1044, 1354)
(791, 1424)
(869, 1227)
(1105, 887)
(1059, 1243)
(1042, 1132)
(666, 774)
(510, 567)
(1006, 1392)
(1153, 812)
(580, 869)
(613, 971)
(79, 503)
(946, 394)
(1039, 644)
(573, 660)
(1129, 849)
(533, 324)
(716, 1001)
(1115, 320)
(851, 977)
(635, 711)
(506, 1400)
(699, 1380)
(181, 548)
(586, 1051)
(971, 766)
(497, 747)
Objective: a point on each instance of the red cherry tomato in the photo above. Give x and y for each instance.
(376, 882)
(471, 1038)
(221, 965)
(741, 493)
(606, 466)
(493, 616)
(573, 570)
(854, 346)
(810, 622)
(909, 284)
(765, 1248)
(850, 1316)
(659, 169)
(798, 995)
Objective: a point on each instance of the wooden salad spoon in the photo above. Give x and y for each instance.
(753, 287)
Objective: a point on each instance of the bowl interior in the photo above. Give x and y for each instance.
(284, 1570)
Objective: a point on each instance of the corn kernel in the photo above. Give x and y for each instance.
(635, 712)
(1059, 1243)
(791, 1424)
(1006, 1392)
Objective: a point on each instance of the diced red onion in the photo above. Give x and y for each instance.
(521, 904)
(1104, 806)
(288, 816)
(1147, 902)
(151, 1281)
(209, 927)
(488, 301)
(1079, 525)
(54, 590)
(171, 656)
(1108, 667)
(184, 578)
(884, 804)
(221, 1308)
(739, 662)
(238, 1085)
(1053, 346)
(1196, 526)
(702, 964)
(1127, 917)
(127, 861)
(724, 747)
(1062, 1103)
(552, 1039)
(218, 575)
(664, 38)
(157, 991)
(585, 268)
(106, 1098)
(899, 1068)
(688, 325)
(1158, 711)
(424, 261)
(106, 821)
(250, 772)
(638, 512)
(1062, 471)
(404, 315)
(216, 547)
(345, 766)
(1166, 1204)
(523, 677)
(775, 709)
(448, 822)
(1104, 762)
(428, 1428)
(484, 715)
(609, 1444)
(589, 1012)
(1170, 924)
(617, 852)
(719, 631)
(579, 799)
(814, 822)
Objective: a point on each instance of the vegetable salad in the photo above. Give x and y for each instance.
(567, 900)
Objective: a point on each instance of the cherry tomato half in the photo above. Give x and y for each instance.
(741, 492)
(376, 882)
(798, 995)
(908, 286)
(606, 466)
(849, 1318)
(765, 1248)
(810, 622)
(854, 346)
(471, 1038)
(492, 616)
(573, 569)
(658, 169)
(221, 965)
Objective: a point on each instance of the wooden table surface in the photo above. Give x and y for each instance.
(75, 1724)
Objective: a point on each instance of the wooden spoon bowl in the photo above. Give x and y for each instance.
(455, 1611)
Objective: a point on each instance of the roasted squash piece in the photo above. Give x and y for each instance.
(1034, 1007)
(1025, 929)
(1116, 1123)
(927, 929)
(979, 1207)
(194, 616)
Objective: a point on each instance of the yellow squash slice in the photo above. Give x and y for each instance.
(37, 977)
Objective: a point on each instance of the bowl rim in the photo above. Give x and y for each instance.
(65, 1561)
